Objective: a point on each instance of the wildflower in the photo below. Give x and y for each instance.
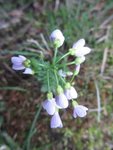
(61, 99)
(79, 49)
(70, 92)
(57, 38)
(77, 69)
(18, 62)
(56, 121)
(79, 110)
(49, 105)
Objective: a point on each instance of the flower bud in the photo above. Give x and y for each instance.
(57, 38)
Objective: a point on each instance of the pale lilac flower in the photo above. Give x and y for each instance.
(79, 111)
(18, 62)
(28, 71)
(80, 49)
(70, 93)
(62, 101)
(50, 106)
(56, 121)
(57, 38)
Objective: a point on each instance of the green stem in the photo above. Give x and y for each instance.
(71, 63)
(55, 54)
(72, 78)
(63, 80)
(31, 131)
(56, 77)
(48, 81)
(63, 56)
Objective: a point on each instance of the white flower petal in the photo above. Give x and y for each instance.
(86, 50)
(28, 71)
(79, 44)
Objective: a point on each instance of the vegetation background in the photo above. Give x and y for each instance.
(23, 124)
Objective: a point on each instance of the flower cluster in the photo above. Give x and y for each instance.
(56, 77)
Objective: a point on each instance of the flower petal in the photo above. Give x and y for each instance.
(18, 67)
(70, 93)
(62, 101)
(49, 106)
(81, 110)
(16, 60)
(28, 71)
(22, 57)
(79, 44)
(56, 121)
(74, 113)
(82, 51)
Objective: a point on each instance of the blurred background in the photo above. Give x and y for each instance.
(23, 124)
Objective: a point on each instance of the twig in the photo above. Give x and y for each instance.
(98, 100)
(57, 2)
(37, 44)
(104, 61)
(109, 19)
(44, 41)
(95, 109)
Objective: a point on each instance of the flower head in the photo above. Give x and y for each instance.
(56, 121)
(18, 62)
(61, 99)
(79, 49)
(49, 105)
(70, 92)
(79, 110)
(57, 38)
